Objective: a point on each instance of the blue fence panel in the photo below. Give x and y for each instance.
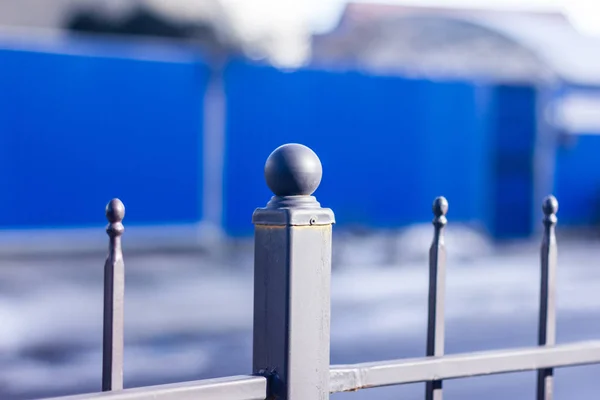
(512, 129)
(577, 171)
(77, 130)
(577, 181)
(457, 157)
(388, 144)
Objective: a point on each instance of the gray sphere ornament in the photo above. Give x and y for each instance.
(293, 170)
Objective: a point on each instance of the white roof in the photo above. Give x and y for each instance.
(569, 54)
(557, 47)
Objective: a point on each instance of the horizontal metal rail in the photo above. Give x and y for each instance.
(396, 372)
(231, 388)
(374, 374)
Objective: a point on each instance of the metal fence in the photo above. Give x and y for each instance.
(291, 339)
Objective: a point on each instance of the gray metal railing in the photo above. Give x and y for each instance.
(292, 275)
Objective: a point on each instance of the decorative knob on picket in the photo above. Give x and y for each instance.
(115, 212)
(440, 209)
(293, 170)
(550, 208)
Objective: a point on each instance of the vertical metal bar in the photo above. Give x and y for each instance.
(114, 292)
(212, 154)
(547, 321)
(292, 274)
(437, 291)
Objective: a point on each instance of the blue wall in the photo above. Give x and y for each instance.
(577, 172)
(389, 145)
(512, 127)
(77, 130)
(577, 181)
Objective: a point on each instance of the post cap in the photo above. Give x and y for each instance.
(293, 170)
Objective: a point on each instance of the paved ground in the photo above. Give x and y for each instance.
(188, 316)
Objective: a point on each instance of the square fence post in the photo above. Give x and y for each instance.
(292, 275)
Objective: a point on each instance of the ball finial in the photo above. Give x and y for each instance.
(440, 207)
(293, 170)
(115, 211)
(550, 205)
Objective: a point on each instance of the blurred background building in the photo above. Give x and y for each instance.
(175, 102)
(174, 106)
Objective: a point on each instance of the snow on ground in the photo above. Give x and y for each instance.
(189, 316)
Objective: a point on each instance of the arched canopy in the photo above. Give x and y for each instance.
(571, 56)
(502, 45)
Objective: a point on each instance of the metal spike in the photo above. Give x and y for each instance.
(114, 292)
(547, 318)
(437, 291)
